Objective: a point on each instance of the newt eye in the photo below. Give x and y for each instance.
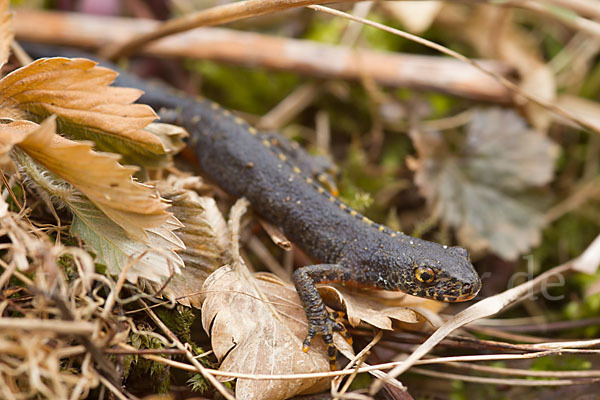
(424, 274)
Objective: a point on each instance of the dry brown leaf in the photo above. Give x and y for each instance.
(361, 306)
(249, 337)
(6, 31)
(11, 133)
(416, 16)
(77, 91)
(257, 327)
(171, 136)
(109, 185)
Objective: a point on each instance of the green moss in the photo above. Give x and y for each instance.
(325, 30)
(179, 320)
(136, 369)
(560, 363)
(252, 90)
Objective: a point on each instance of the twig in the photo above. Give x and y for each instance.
(351, 371)
(513, 337)
(526, 372)
(543, 326)
(289, 107)
(252, 49)
(113, 389)
(213, 16)
(504, 381)
(52, 325)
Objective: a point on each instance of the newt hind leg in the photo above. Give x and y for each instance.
(320, 321)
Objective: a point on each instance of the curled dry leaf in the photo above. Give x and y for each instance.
(77, 91)
(110, 186)
(6, 31)
(361, 306)
(206, 238)
(171, 136)
(480, 189)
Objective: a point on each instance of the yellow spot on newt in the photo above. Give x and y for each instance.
(342, 206)
(331, 199)
(266, 143)
(366, 220)
(309, 181)
(297, 170)
(282, 157)
(252, 130)
(226, 112)
(239, 120)
(353, 213)
(381, 228)
(214, 106)
(393, 234)
(320, 189)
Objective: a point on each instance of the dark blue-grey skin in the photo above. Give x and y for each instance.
(353, 250)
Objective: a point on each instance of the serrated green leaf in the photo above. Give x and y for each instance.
(206, 238)
(154, 260)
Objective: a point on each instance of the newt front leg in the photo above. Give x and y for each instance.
(320, 321)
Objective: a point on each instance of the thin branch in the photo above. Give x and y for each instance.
(50, 325)
(526, 372)
(213, 16)
(253, 49)
(504, 381)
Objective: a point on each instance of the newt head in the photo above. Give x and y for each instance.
(442, 273)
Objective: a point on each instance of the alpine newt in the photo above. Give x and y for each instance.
(353, 249)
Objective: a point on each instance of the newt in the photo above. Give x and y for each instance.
(352, 249)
